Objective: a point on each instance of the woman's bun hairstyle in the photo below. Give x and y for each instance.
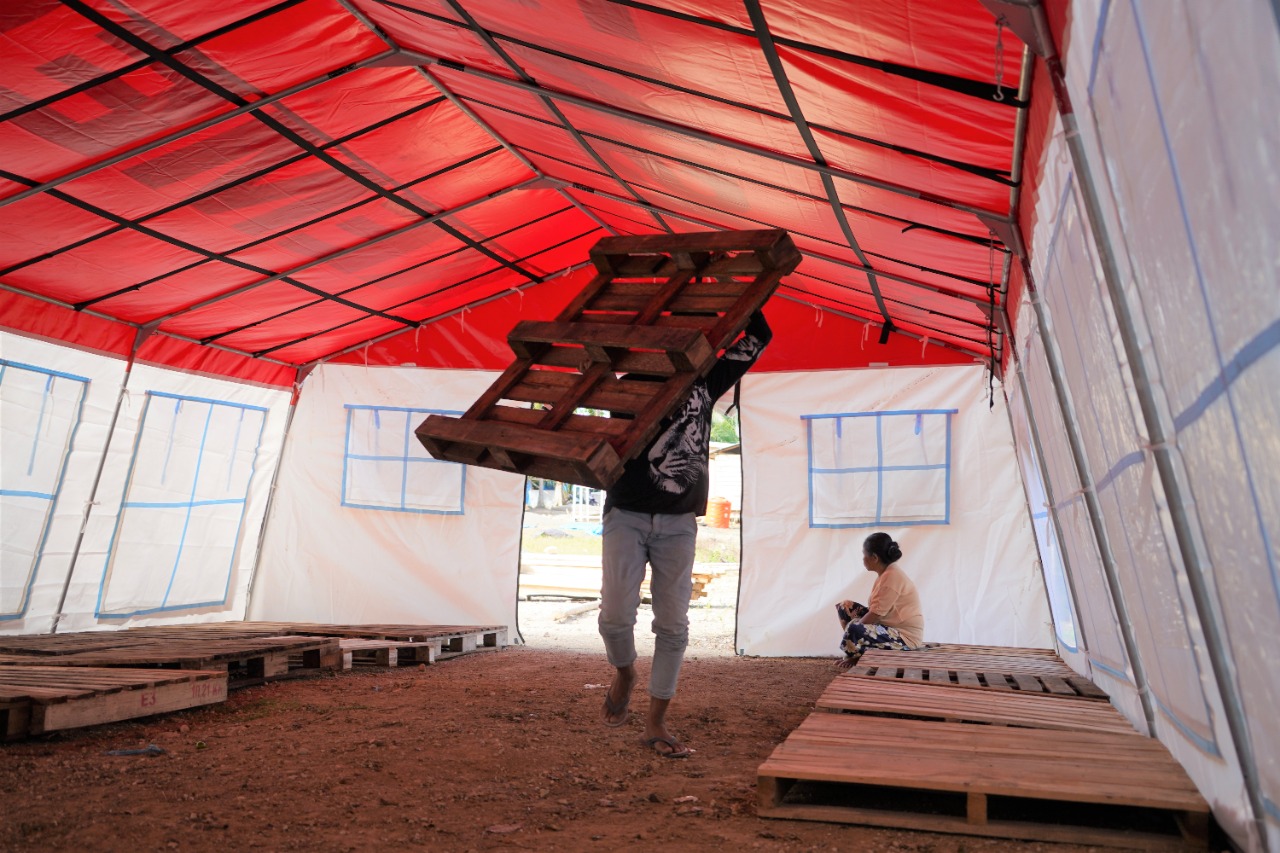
(882, 546)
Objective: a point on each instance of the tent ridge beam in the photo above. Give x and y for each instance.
(765, 39)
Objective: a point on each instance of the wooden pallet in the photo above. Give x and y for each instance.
(247, 660)
(1084, 787)
(1017, 651)
(899, 698)
(387, 653)
(661, 306)
(39, 699)
(1067, 685)
(991, 670)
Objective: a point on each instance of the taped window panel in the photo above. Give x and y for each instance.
(386, 468)
(880, 468)
(39, 412)
(182, 519)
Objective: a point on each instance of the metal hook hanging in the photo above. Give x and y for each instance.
(1001, 23)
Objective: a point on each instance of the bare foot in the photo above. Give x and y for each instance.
(618, 697)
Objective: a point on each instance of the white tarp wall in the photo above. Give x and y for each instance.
(366, 527)
(1169, 325)
(175, 506)
(831, 457)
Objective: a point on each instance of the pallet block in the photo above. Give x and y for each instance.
(659, 306)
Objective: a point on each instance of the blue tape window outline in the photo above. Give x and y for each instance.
(189, 460)
(24, 482)
(394, 455)
(890, 466)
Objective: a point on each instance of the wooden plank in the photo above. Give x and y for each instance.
(687, 348)
(565, 456)
(1086, 688)
(851, 694)
(1057, 686)
(1028, 683)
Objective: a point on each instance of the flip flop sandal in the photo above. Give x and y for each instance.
(677, 749)
(612, 709)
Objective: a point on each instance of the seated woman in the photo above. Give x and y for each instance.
(893, 618)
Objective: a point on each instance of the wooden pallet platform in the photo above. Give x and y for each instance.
(1017, 651)
(1084, 787)
(661, 306)
(992, 671)
(1071, 686)
(39, 699)
(930, 700)
(247, 660)
(387, 653)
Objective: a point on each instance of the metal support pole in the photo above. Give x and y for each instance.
(1090, 495)
(271, 493)
(1037, 449)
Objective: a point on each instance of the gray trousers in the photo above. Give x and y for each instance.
(666, 542)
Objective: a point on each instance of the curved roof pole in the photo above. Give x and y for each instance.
(1027, 17)
(797, 115)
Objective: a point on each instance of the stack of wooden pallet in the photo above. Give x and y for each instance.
(661, 307)
(59, 681)
(981, 741)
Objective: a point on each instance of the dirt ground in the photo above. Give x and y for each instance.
(492, 751)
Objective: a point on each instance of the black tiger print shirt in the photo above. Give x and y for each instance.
(671, 475)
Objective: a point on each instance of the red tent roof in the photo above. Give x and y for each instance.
(251, 187)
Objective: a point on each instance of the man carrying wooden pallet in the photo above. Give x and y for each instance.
(650, 516)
